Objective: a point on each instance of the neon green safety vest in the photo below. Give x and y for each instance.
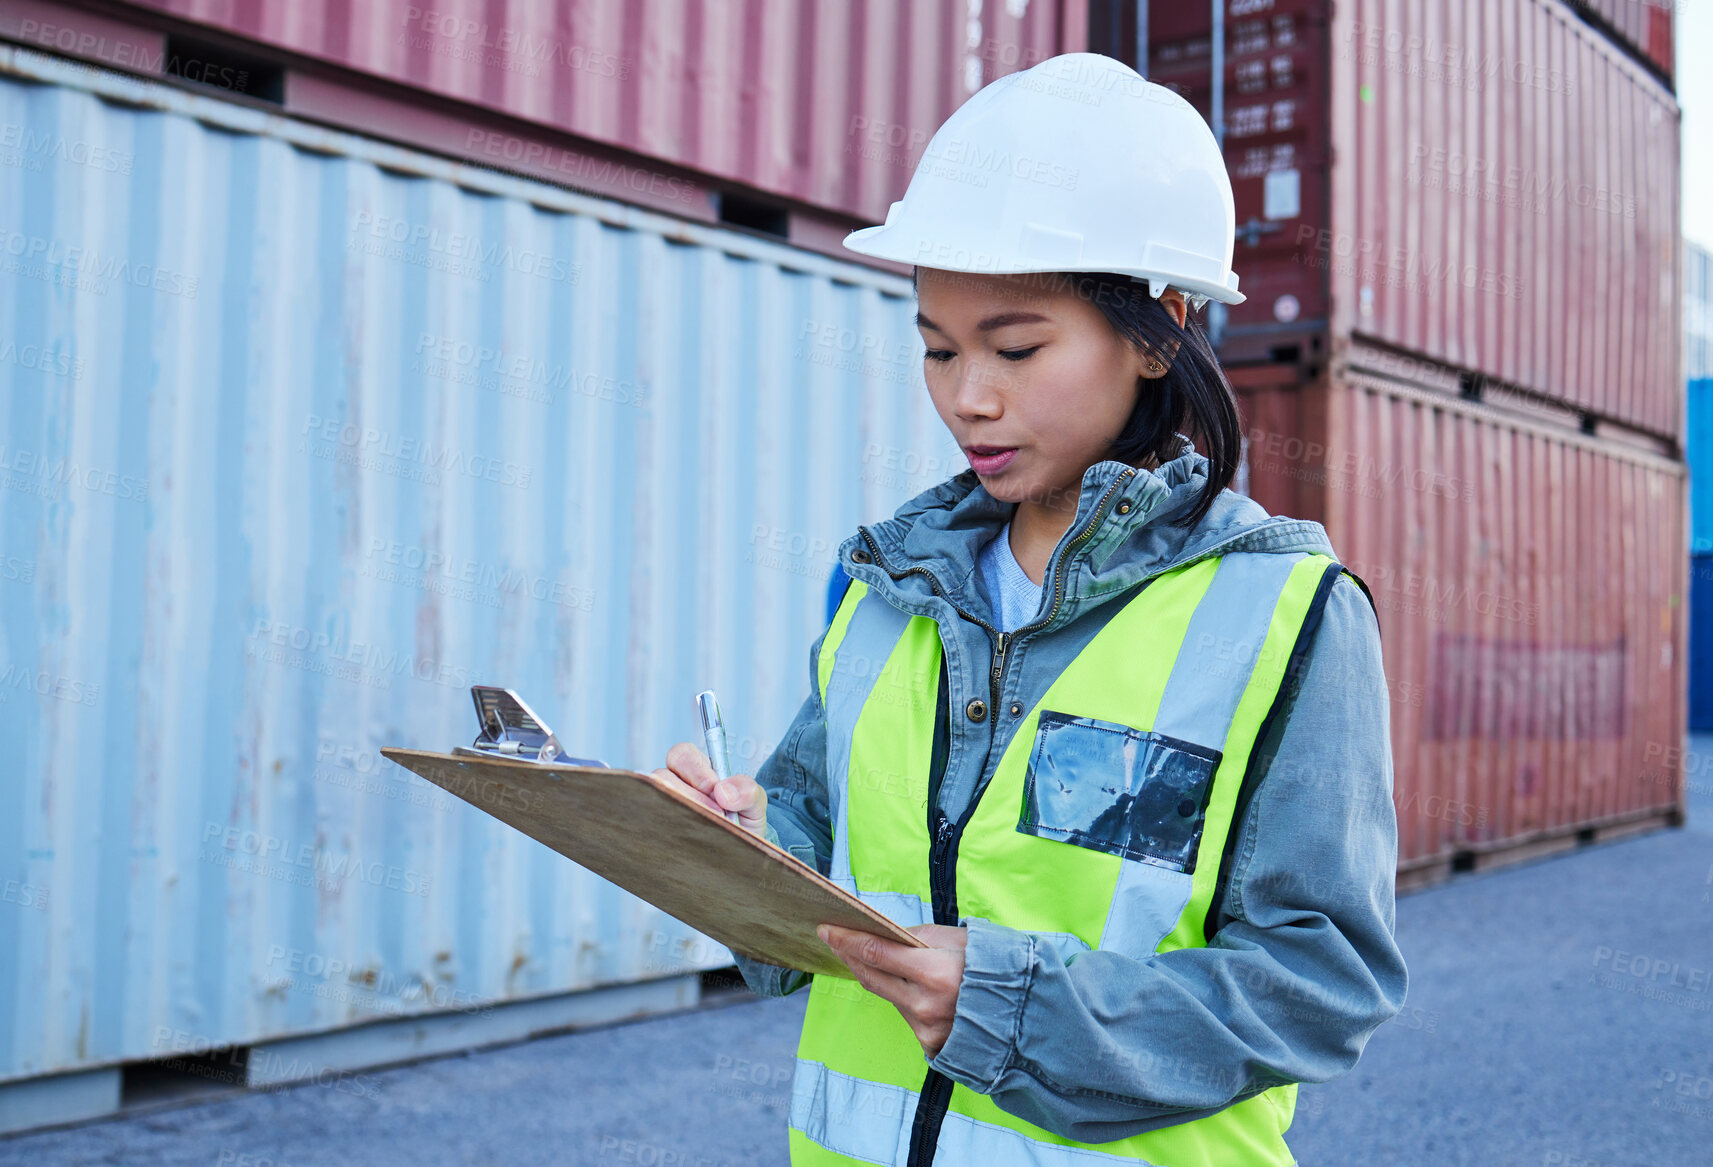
(1185, 676)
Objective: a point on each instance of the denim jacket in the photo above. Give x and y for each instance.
(1303, 966)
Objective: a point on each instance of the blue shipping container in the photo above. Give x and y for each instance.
(301, 435)
(1698, 452)
(1701, 643)
(1698, 365)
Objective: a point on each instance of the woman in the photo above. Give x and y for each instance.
(1104, 734)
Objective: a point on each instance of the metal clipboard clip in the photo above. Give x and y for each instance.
(510, 729)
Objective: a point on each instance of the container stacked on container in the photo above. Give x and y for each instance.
(1458, 236)
(307, 431)
(1458, 232)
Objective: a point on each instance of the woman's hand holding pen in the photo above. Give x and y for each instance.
(689, 767)
(921, 982)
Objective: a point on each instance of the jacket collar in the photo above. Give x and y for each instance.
(1124, 532)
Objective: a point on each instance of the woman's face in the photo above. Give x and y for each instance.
(1029, 377)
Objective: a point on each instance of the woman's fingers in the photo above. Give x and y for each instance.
(868, 958)
(745, 795)
(671, 778)
(690, 766)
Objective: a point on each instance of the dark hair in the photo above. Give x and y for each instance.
(1193, 397)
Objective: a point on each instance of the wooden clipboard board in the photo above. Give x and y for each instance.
(659, 844)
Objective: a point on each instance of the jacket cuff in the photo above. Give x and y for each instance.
(999, 964)
(769, 980)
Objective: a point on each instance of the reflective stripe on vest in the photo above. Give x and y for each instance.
(1199, 655)
(874, 651)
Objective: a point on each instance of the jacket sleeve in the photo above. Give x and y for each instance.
(1303, 967)
(798, 820)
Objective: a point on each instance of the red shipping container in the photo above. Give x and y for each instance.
(1458, 233)
(1518, 219)
(828, 105)
(1536, 673)
(1492, 186)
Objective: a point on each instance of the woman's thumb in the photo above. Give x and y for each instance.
(739, 792)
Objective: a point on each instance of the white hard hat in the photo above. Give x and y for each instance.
(1075, 164)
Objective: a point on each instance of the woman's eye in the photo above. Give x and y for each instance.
(941, 355)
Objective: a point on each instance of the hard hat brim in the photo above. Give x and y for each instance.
(884, 241)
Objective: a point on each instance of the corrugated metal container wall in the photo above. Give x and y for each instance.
(826, 102)
(1511, 206)
(1698, 450)
(301, 436)
(1534, 692)
(1644, 26)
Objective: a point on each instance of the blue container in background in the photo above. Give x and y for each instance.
(1701, 643)
(1698, 452)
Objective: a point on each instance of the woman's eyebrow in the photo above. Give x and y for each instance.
(991, 323)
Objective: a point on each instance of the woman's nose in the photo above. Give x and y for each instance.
(978, 387)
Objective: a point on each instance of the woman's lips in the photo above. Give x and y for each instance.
(990, 459)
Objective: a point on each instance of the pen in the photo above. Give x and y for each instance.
(714, 735)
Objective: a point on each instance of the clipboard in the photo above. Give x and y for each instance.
(661, 845)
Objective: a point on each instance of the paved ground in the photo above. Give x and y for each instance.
(1543, 1027)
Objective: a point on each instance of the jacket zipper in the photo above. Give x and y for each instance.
(993, 633)
(944, 835)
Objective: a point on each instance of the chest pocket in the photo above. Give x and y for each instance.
(1113, 788)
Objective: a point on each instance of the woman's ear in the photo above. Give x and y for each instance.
(1177, 308)
(1150, 367)
(1173, 302)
